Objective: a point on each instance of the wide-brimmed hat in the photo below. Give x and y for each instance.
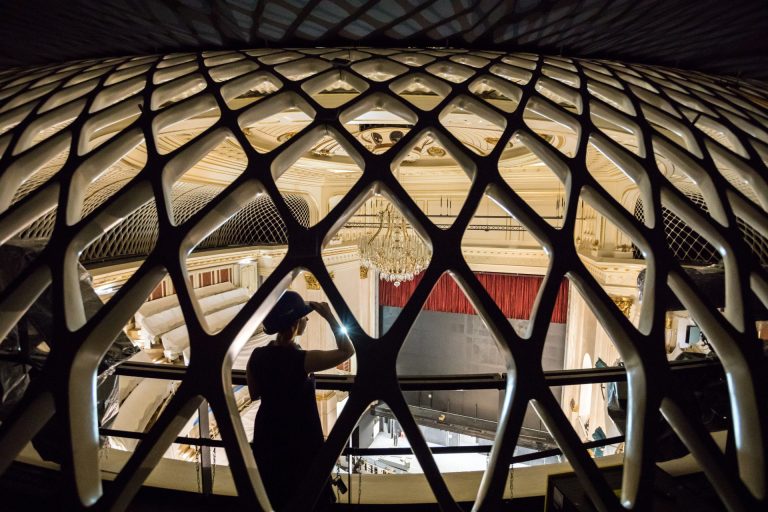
(289, 308)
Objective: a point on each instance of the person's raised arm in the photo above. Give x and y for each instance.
(318, 360)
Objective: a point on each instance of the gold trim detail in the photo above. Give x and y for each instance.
(312, 282)
(624, 304)
(363, 272)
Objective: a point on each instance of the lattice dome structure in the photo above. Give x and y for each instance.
(63, 128)
(258, 223)
(690, 247)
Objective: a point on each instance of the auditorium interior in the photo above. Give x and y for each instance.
(551, 255)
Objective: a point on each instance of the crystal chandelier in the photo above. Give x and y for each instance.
(394, 249)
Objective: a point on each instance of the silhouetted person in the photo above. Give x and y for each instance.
(287, 433)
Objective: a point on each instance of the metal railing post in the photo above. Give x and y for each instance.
(206, 475)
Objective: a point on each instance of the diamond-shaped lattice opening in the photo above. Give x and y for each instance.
(537, 175)
(184, 122)
(637, 81)
(470, 60)
(566, 64)
(219, 284)
(689, 103)
(452, 72)
(131, 239)
(562, 96)
(334, 88)
(23, 97)
(117, 93)
(497, 92)
(39, 167)
(109, 123)
(413, 59)
(756, 241)
(355, 282)
(391, 250)
(229, 71)
(11, 119)
(561, 75)
(142, 402)
(122, 75)
(68, 94)
(611, 176)
(249, 89)
(163, 75)
(388, 432)
(27, 242)
(441, 195)
(197, 426)
(685, 243)
(48, 125)
(378, 122)
(421, 90)
(352, 55)
(270, 124)
(672, 129)
(477, 126)
(320, 162)
(720, 134)
(512, 277)
(263, 51)
(275, 58)
(681, 171)
(207, 176)
(742, 177)
(600, 74)
(303, 68)
(212, 60)
(611, 96)
(558, 128)
(173, 60)
(104, 174)
(584, 405)
(173, 92)
(602, 246)
(379, 70)
(86, 76)
(621, 129)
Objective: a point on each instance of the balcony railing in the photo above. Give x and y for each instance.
(490, 381)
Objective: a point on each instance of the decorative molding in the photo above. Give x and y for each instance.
(624, 304)
(312, 282)
(363, 272)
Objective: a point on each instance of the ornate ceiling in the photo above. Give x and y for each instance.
(708, 35)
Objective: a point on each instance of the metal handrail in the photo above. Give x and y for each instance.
(497, 381)
(435, 382)
(411, 383)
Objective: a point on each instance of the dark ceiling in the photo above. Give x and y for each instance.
(719, 36)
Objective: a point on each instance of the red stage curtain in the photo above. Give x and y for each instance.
(514, 294)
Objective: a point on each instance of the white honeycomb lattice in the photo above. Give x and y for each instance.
(63, 128)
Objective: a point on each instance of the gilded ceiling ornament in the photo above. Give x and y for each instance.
(436, 151)
(285, 136)
(363, 272)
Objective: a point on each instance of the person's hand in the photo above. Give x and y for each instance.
(322, 308)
